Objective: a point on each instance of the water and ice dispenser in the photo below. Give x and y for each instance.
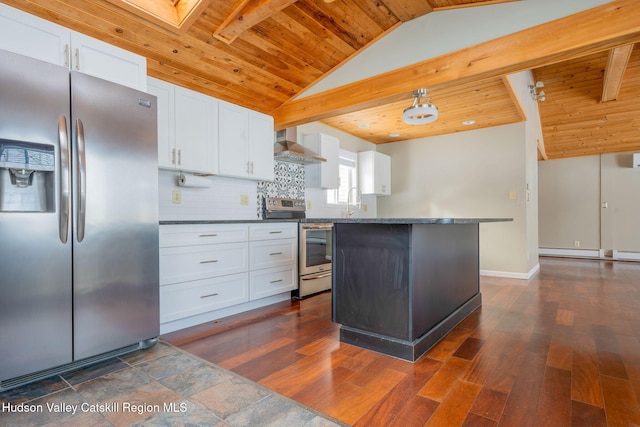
(27, 180)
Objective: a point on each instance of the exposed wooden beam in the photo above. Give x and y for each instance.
(512, 93)
(542, 151)
(605, 27)
(613, 73)
(247, 14)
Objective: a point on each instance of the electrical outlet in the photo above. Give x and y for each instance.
(244, 199)
(176, 197)
(308, 204)
(364, 207)
(513, 195)
(576, 243)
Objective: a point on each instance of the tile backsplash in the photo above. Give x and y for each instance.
(288, 182)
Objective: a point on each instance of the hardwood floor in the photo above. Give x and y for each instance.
(562, 349)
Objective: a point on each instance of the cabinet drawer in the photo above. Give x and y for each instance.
(200, 296)
(181, 264)
(202, 234)
(272, 281)
(277, 230)
(273, 253)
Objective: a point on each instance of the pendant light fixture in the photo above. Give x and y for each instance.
(421, 111)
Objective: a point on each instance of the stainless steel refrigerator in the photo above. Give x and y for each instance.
(78, 219)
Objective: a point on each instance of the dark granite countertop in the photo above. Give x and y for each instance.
(347, 221)
(405, 220)
(225, 221)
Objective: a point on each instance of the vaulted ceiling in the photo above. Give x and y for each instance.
(262, 54)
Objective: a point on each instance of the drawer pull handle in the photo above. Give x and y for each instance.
(275, 253)
(275, 232)
(209, 296)
(208, 262)
(208, 235)
(276, 281)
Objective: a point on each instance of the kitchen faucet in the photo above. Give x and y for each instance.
(357, 203)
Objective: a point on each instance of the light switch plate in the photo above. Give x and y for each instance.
(244, 199)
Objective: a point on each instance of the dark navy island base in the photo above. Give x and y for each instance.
(400, 285)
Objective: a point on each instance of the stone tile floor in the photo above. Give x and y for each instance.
(161, 386)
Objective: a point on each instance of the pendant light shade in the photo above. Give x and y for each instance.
(421, 111)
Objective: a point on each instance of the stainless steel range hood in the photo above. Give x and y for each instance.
(287, 149)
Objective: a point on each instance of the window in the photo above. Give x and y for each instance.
(348, 173)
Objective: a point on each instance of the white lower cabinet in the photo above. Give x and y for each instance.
(272, 281)
(184, 263)
(200, 296)
(208, 271)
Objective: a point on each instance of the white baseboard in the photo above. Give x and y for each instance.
(627, 256)
(591, 253)
(511, 275)
(572, 253)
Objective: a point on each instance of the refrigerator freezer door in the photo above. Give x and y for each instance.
(115, 242)
(35, 264)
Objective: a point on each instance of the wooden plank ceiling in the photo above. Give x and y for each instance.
(263, 53)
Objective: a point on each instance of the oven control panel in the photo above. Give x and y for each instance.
(282, 204)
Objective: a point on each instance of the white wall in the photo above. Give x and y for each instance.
(571, 193)
(569, 208)
(469, 174)
(521, 82)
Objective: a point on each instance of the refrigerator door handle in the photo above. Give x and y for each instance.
(64, 201)
(81, 182)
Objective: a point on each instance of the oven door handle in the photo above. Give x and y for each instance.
(317, 227)
(319, 276)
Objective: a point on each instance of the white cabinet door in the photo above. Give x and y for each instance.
(187, 121)
(37, 38)
(326, 174)
(200, 296)
(245, 143)
(166, 121)
(99, 59)
(31, 36)
(233, 137)
(261, 138)
(186, 263)
(202, 234)
(272, 281)
(272, 253)
(196, 144)
(374, 173)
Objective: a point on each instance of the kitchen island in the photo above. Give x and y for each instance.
(401, 284)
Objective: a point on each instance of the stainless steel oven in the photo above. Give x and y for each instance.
(314, 253)
(314, 258)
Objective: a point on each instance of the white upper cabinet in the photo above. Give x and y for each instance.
(325, 174)
(245, 140)
(187, 123)
(261, 139)
(374, 173)
(196, 140)
(37, 38)
(99, 59)
(31, 36)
